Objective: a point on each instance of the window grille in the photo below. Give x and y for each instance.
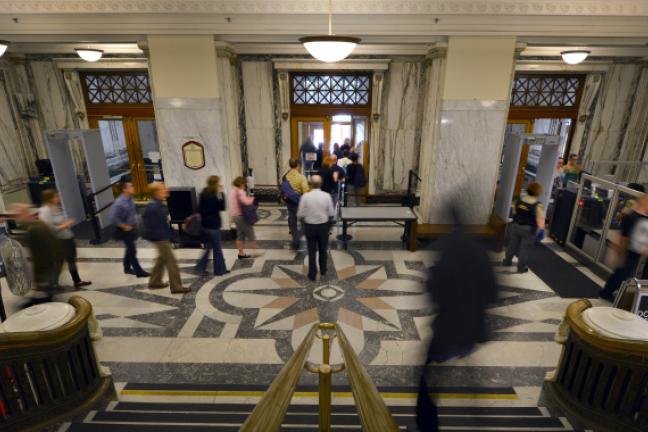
(545, 91)
(330, 89)
(118, 88)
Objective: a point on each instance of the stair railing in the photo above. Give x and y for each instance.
(271, 409)
(47, 377)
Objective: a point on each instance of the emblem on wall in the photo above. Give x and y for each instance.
(193, 155)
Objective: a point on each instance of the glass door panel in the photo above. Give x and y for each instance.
(150, 148)
(315, 129)
(113, 137)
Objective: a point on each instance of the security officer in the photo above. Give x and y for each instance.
(528, 224)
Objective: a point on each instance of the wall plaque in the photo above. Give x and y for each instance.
(193, 155)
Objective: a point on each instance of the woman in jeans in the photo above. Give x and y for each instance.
(211, 203)
(244, 231)
(52, 214)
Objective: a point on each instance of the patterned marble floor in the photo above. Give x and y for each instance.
(242, 327)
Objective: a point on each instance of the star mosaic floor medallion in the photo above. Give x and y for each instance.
(370, 300)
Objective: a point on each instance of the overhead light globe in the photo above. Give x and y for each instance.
(574, 56)
(89, 55)
(329, 49)
(3, 47)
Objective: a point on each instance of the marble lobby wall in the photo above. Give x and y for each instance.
(604, 138)
(259, 104)
(400, 126)
(231, 94)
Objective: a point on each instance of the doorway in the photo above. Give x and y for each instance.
(120, 105)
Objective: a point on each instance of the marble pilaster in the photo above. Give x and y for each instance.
(180, 120)
(14, 170)
(378, 80)
(605, 135)
(430, 127)
(231, 98)
(258, 98)
(588, 98)
(465, 161)
(400, 136)
(285, 153)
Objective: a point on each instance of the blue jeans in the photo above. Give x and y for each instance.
(212, 239)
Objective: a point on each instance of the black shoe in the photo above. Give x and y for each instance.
(82, 284)
(222, 274)
(523, 270)
(607, 296)
(129, 271)
(313, 278)
(200, 272)
(142, 274)
(246, 256)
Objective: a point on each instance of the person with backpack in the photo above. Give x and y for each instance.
(298, 183)
(528, 225)
(210, 203)
(242, 210)
(355, 178)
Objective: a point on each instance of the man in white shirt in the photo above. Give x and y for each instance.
(316, 212)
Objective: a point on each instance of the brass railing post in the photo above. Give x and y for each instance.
(325, 386)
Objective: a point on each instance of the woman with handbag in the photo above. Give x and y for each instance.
(243, 212)
(210, 204)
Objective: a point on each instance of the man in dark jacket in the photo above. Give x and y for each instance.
(158, 231)
(461, 285)
(124, 217)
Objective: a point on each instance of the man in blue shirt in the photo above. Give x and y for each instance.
(158, 231)
(125, 221)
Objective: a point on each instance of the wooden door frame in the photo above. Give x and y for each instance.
(294, 132)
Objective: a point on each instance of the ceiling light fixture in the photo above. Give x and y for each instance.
(330, 48)
(574, 56)
(89, 54)
(3, 47)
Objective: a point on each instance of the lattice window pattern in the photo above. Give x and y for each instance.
(538, 91)
(127, 88)
(330, 89)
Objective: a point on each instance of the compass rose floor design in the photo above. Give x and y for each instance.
(241, 328)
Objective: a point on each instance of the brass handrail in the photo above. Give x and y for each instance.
(271, 409)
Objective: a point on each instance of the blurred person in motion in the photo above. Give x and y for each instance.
(298, 183)
(46, 252)
(124, 218)
(528, 225)
(461, 284)
(211, 203)
(52, 214)
(355, 178)
(238, 200)
(316, 212)
(329, 178)
(320, 157)
(308, 153)
(628, 247)
(158, 231)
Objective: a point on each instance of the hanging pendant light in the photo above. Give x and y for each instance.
(3, 47)
(330, 48)
(89, 54)
(574, 56)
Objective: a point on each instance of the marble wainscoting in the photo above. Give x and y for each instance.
(400, 132)
(615, 100)
(465, 163)
(258, 99)
(180, 120)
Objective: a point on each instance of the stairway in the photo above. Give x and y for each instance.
(179, 414)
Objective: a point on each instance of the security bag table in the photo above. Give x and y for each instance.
(351, 215)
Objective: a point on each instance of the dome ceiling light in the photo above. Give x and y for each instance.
(89, 54)
(3, 47)
(574, 56)
(330, 48)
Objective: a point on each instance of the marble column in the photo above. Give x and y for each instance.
(635, 141)
(14, 169)
(285, 151)
(399, 142)
(231, 96)
(258, 97)
(605, 135)
(464, 163)
(189, 107)
(585, 109)
(430, 125)
(377, 85)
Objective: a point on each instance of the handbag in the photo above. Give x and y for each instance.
(193, 225)
(249, 213)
